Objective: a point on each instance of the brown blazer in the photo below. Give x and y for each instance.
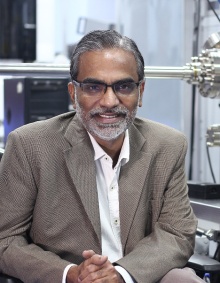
(49, 205)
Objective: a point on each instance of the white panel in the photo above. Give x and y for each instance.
(45, 30)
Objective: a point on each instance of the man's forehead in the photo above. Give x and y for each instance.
(98, 52)
(115, 58)
(108, 65)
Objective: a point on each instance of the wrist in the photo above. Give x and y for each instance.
(72, 274)
(120, 278)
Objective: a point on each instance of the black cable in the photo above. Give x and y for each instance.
(216, 255)
(192, 131)
(213, 10)
(210, 164)
(191, 148)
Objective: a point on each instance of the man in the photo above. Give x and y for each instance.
(97, 195)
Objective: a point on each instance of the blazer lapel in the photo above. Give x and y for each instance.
(80, 162)
(132, 179)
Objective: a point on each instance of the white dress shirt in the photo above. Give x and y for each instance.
(108, 196)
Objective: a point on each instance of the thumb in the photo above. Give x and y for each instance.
(88, 253)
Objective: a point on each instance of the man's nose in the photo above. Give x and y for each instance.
(109, 98)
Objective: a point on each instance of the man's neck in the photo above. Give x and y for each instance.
(112, 148)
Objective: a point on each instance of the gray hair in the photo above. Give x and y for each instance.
(105, 39)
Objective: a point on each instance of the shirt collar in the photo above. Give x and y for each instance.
(124, 154)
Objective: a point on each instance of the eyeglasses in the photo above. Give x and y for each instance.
(99, 88)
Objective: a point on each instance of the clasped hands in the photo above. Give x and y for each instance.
(95, 268)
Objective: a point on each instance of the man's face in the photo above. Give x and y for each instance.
(107, 115)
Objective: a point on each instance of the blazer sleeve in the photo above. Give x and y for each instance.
(18, 191)
(171, 242)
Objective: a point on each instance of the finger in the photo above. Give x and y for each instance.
(93, 274)
(94, 258)
(88, 253)
(89, 272)
(98, 259)
(93, 264)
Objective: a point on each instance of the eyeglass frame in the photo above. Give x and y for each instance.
(80, 84)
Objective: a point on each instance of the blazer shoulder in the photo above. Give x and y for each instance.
(145, 125)
(49, 125)
(43, 133)
(159, 133)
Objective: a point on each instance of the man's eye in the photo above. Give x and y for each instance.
(124, 86)
(92, 87)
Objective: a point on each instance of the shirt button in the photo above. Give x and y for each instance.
(116, 221)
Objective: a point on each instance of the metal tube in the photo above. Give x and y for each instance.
(34, 69)
(168, 72)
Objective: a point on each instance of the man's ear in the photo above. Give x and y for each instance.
(71, 90)
(142, 85)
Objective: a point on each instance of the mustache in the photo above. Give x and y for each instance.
(117, 110)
